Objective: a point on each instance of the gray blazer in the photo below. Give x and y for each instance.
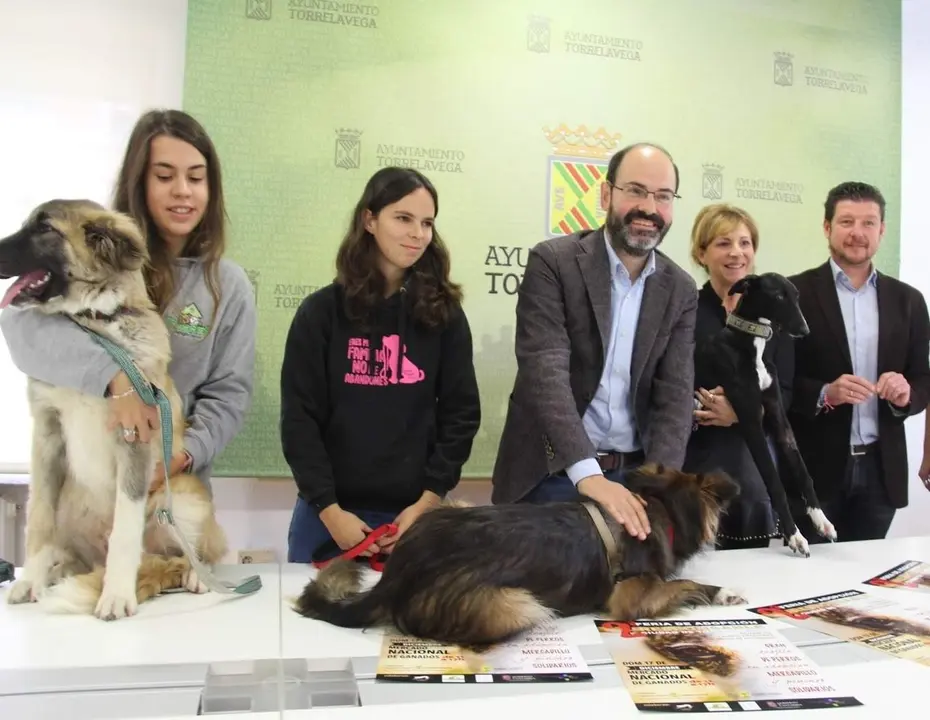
(563, 328)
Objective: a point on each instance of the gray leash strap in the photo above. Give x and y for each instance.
(155, 396)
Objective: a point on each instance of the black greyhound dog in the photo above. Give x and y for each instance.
(732, 359)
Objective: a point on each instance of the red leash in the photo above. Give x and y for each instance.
(375, 561)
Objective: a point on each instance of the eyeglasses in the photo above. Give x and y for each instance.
(638, 192)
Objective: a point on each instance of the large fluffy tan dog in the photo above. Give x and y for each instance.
(92, 542)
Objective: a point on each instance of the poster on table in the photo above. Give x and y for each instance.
(910, 575)
(698, 666)
(854, 616)
(539, 655)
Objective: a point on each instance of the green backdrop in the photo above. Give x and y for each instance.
(512, 108)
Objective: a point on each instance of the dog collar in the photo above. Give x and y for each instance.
(603, 531)
(747, 326)
(609, 543)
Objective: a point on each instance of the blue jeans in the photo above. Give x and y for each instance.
(308, 539)
(558, 488)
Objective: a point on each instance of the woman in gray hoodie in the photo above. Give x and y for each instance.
(170, 182)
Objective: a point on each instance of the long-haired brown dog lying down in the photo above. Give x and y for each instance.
(477, 576)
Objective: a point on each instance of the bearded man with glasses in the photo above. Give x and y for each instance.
(605, 347)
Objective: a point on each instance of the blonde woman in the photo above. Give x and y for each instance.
(724, 242)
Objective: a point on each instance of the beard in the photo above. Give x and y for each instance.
(631, 239)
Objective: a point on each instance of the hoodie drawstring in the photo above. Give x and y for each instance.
(401, 326)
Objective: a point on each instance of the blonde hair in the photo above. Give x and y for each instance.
(715, 220)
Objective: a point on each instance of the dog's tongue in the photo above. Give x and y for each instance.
(20, 283)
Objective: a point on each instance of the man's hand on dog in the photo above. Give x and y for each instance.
(625, 507)
(407, 517)
(129, 412)
(347, 529)
(716, 409)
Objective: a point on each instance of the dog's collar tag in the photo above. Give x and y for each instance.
(758, 329)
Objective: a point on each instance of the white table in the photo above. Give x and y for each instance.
(155, 662)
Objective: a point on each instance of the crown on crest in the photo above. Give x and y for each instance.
(784, 57)
(712, 168)
(581, 141)
(348, 133)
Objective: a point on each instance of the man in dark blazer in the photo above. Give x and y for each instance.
(860, 372)
(605, 347)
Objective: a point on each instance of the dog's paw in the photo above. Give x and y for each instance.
(725, 596)
(115, 604)
(192, 582)
(22, 591)
(798, 543)
(823, 526)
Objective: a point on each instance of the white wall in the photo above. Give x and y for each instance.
(87, 69)
(915, 224)
(76, 75)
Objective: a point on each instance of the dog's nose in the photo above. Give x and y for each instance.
(802, 328)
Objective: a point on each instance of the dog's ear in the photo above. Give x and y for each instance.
(651, 478)
(117, 241)
(650, 469)
(741, 285)
(720, 486)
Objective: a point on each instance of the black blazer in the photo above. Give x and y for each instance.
(822, 356)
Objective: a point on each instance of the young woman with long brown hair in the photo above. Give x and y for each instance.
(379, 402)
(170, 182)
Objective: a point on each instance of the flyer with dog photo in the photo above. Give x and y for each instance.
(539, 655)
(910, 575)
(702, 666)
(855, 616)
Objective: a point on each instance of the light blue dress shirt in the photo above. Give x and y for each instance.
(609, 419)
(860, 316)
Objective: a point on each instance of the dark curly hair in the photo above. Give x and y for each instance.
(434, 297)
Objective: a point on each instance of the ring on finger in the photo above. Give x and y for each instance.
(129, 433)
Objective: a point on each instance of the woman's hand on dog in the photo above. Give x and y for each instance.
(626, 508)
(129, 412)
(716, 409)
(407, 517)
(347, 529)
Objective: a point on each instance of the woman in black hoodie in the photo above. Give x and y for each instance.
(379, 401)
